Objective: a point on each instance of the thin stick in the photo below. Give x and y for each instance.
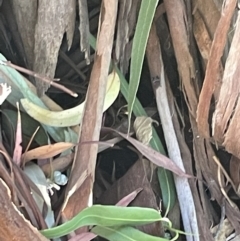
(41, 77)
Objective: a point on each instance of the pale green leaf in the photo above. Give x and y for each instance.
(124, 233)
(105, 216)
(20, 89)
(140, 38)
(166, 180)
(72, 116)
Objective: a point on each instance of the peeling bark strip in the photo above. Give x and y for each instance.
(26, 17)
(176, 15)
(213, 67)
(184, 192)
(84, 29)
(13, 224)
(127, 17)
(55, 17)
(226, 125)
(82, 175)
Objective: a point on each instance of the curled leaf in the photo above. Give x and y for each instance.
(105, 216)
(73, 116)
(143, 128)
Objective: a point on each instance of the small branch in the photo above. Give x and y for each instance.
(41, 77)
(184, 192)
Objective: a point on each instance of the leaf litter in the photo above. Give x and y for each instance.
(58, 150)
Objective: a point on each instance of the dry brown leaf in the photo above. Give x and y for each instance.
(143, 128)
(222, 231)
(156, 157)
(202, 36)
(83, 169)
(58, 164)
(176, 14)
(213, 67)
(54, 18)
(209, 12)
(47, 151)
(13, 224)
(225, 122)
(204, 43)
(202, 149)
(125, 201)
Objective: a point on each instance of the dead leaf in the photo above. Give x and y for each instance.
(143, 128)
(18, 148)
(154, 156)
(225, 121)
(83, 169)
(136, 178)
(47, 151)
(58, 164)
(202, 36)
(13, 224)
(211, 76)
(222, 231)
(125, 201)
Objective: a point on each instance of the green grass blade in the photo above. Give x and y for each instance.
(105, 216)
(124, 233)
(140, 38)
(165, 178)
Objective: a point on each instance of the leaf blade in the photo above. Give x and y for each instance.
(124, 233)
(105, 216)
(140, 38)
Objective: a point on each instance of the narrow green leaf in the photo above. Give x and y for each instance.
(21, 89)
(166, 179)
(71, 116)
(124, 233)
(169, 196)
(105, 216)
(140, 38)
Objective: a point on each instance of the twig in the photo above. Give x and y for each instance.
(184, 193)
(41, 77)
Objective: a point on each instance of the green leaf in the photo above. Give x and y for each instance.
(105, 216)
(29, 126)
(169, 192)
(166, 179)
(72, 116)
(124, 233)
(20, 89)
(140, 38)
